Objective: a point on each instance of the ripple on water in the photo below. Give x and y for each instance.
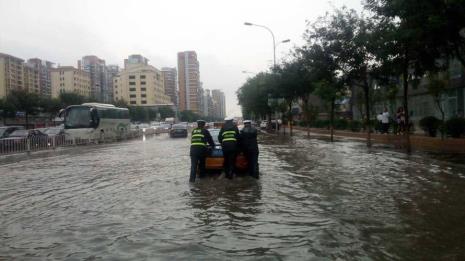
(315, 200)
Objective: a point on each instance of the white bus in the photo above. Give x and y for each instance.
(96, 121)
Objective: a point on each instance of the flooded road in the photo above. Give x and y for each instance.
(315, 200)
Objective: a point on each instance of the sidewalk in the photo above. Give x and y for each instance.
(418, 142)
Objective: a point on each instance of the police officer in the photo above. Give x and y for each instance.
(250, 147)
(228, 137)
(200, 138)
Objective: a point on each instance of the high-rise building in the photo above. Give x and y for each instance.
(208, 104)
(31, 78)
(189, 82)
(140, 84)
(97, 70)
(44, 73)
(70, 79)
(219, 104)
(11, 74)
(135, 59)
(112, 73)
(170, 83)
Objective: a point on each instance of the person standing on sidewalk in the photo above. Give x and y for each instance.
(249, 146)
(228, 137)
(385, 121)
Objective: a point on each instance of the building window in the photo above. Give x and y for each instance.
(132, 89)
(143, 95)
(143, 89)
(142, 83)
(133, 102)
(144, 102)
(132, 77)
(132, 83)
(132, 96)
(142, 76)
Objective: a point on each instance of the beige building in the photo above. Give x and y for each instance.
(11, 74)
(140, 84)
(70, 79)
(31, 78)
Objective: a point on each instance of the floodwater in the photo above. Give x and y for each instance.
(315, 201)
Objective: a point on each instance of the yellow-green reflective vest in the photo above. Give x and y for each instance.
(198, 139)
(229, 136)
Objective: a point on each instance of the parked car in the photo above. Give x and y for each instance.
(178, 130)
(7, 130)
(263, 124)
(163, 128)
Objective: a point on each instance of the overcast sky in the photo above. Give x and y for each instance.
(63, 31)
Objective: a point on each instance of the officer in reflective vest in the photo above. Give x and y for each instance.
(199, 141)
(228, 137)
(250, 148)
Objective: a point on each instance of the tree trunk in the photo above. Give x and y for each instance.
(307, 116)
(366, 88)
(27, 120)
(438, 103)
(407, 120)
(290, 119)
(331, 120)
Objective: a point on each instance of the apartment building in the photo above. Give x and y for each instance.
(97, 71)
(189, 82)
(11, 74)
(219, 104)
(43, 69)
(170, 83)
(112, 73)
(140, 84)
(70, 79)
(31, 78)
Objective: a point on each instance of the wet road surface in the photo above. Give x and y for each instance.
(315, 201)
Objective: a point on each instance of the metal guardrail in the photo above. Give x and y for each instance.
(38, 143)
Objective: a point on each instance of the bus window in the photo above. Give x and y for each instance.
(78, 117)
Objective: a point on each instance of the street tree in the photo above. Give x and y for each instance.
(26, 102)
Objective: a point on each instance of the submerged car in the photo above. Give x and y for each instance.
(178, 130)
(215, 160)
(7, 130)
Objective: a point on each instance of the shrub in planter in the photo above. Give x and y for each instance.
(430, 125)
(355, 126)
(321, 124)
(455, 127)
(340, 124)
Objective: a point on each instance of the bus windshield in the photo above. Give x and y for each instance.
(78, 117)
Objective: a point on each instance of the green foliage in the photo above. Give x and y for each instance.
(430, 125)
(354, 126)
(166, 112)
(71, 98)
(341, 124)
(142, 114)
(188, 116)
(121, 103)
(455, 127)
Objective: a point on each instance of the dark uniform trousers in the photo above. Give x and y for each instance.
(229, 154)
(252, 158)
(198, 156)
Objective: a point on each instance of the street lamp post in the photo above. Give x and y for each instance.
(274, 57)
(274, 40)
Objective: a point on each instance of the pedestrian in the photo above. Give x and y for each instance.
(379, 123)
(228, 138)
(385, 121)
(401, 119)
(248, 141)
(200, 139)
